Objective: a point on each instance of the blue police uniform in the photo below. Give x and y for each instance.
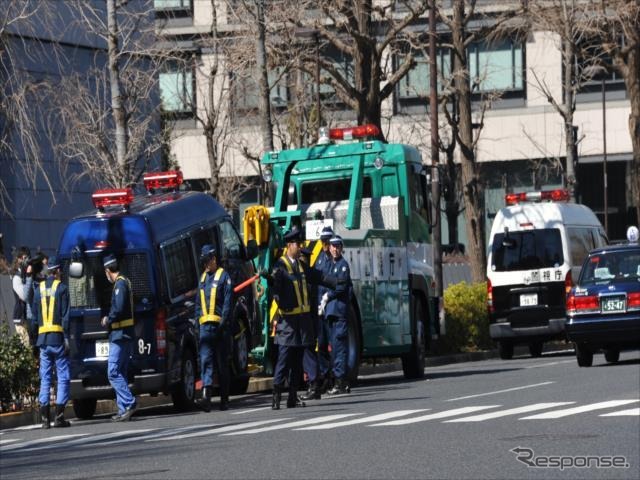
(50, 311)
(213, 310)
(121, 333)
(336, 312)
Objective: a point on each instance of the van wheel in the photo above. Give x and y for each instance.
(612, 355)
(535, 349)
(505, 350)
(413, 362)
(584, 355)
(85, 408)
(354, 343)
(240, 362)
(183, 393)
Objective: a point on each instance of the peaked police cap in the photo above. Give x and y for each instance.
(109, 261)
(207, 252)
(292, 235)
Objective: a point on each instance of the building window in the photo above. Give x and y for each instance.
(246, 91)
(177, 92)
(415, 84)
(496, 67)
(171, 5)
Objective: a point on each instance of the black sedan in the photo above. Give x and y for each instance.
(603, 309)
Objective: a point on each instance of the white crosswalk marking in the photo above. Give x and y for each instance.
(510, 411)
(300, 423)
(78, 442)
(161, 433)
(375, 418)
(251, 410)
(40, 441)
(8, 440)
(632, 412)
(572, 411)
(434, 416)
(214, 431)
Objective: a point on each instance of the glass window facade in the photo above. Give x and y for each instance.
(176, 91)
(496, 66)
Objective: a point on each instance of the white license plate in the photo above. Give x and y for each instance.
(102, 348)
(613, 304)
(528, 299)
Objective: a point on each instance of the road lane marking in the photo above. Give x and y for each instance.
(31, 443)
(435, 416)
(375, 418)
(170, 431)
(8, 440)
(300, 423)
(510, 411)
(251, 410)
(585, 408)
(549, 364)
(632, 412)
(500, 391)
(214, 431)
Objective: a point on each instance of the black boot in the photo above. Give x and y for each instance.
(313, 393)
(224, 402)
(45, 415)
(205, 402)
(60, 422)
(293, 400)
(340, 388)
(276, 397)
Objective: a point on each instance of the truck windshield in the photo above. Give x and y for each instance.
(332, 190)
(527, 250)
(611, 267)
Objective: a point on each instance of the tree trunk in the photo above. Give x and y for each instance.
(568, 107)
(266, 127)
(117, 106)
(632, 81)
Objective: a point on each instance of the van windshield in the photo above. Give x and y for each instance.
(527, 250)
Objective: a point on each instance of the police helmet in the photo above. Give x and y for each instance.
(53, 264)
(110, 262)
(326, 234)
(207, 252)
(336, 240)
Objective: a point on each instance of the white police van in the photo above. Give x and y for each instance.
(538, 243)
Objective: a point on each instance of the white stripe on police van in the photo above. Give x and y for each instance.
(632, 412)
(300, 423)
(585, 408)
(499, 391)
(251, 410)
(375, 418)
(40, 441)
(435, 416)
(511, 411)
(214, 431)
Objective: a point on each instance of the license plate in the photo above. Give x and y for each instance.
(528, 299)
(102, 348)
(613, 304)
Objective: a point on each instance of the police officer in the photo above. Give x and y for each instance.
(50, 319)
(121, 332)
(213, 310)
(317, 365)
(336, 311)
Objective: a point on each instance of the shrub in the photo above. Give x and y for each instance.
(466, 317)
(19, 375)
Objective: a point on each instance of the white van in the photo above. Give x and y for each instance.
(538, 243)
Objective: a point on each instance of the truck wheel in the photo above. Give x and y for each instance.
(535, 349)
(584, 355)
(612, 355)
(505, 349)
(183, 393)
(355, 342)
(84, 408)
(240, 362)
(413, 362)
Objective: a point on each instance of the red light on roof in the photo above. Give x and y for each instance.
(108, 197)
(558, 195)
(101, 244)
(527, 224)
(350, 133)
(171, 179)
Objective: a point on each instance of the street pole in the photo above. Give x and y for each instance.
(435, 153)
(604, 156)
(318, 104)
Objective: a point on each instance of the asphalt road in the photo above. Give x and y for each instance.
(461, 421)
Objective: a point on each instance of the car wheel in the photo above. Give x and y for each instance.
(85, 408)
(584, 355)
(612, 355)
(505, 349)
(183, 393)
(535, 349)
(413, 362)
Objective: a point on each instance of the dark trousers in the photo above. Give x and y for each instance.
(288, 366)
(339, 345)
(214, 357)
(316, 361)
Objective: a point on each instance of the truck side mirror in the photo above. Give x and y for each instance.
(252, 249)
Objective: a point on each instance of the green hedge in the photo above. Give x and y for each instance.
(19, 377)
(466, 318)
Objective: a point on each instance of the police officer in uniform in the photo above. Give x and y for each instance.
(50, 319)
(121, 332)
(213, 310)
(317, 365)
(336, 312)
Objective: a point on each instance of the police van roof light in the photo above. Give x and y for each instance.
(350, 133)
(170, 179)
(108, 197)
(558, 195)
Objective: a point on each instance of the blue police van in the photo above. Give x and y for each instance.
(157, 239)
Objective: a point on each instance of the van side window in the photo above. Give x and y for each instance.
(203, 237)
(179, 267)
(580, 242)
(231, 243)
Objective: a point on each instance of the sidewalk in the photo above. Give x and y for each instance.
(260, 384)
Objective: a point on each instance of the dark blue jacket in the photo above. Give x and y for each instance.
(223, 300)
(323, 265)
(338, 304)
(60, 317)
(120, 316)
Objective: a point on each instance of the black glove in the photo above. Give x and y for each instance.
(267, 276)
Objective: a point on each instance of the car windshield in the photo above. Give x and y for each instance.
(527, 250)
(611, 267)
